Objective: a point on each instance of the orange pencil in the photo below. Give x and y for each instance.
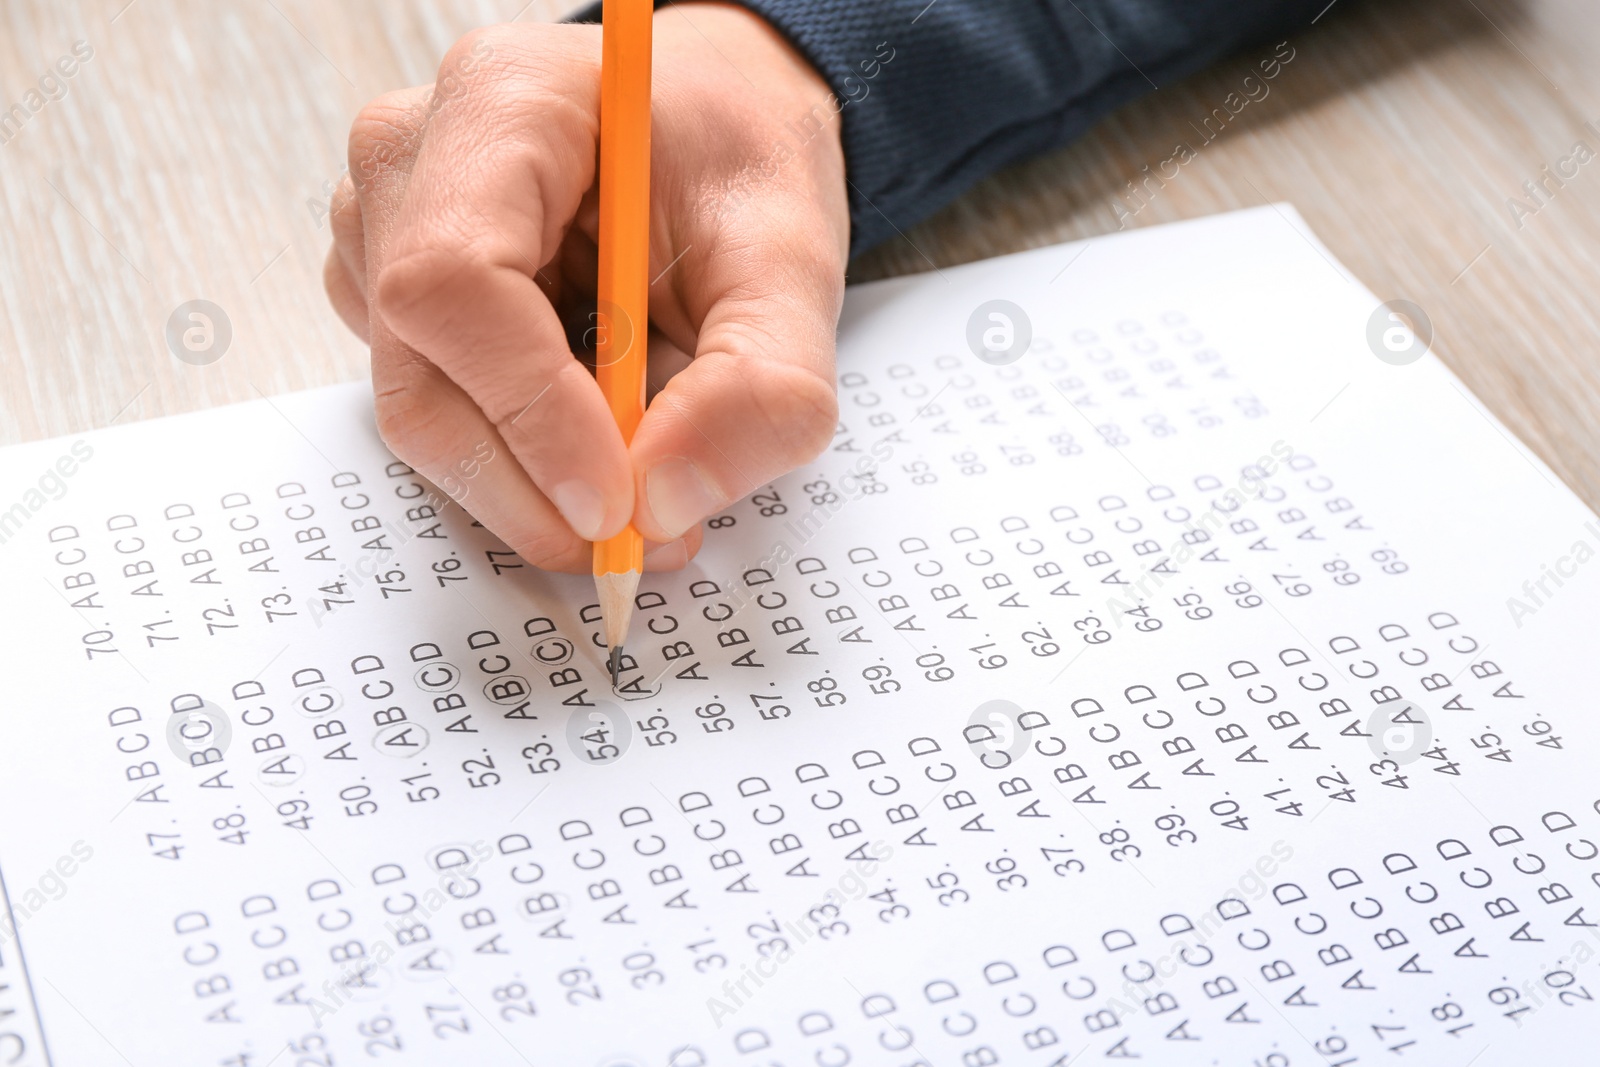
(623, 291)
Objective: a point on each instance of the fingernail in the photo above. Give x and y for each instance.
(582, 506)
(668, 557)
(680, 495)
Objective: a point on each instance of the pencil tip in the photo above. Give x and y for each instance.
(616, 590)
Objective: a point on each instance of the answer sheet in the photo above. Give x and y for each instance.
(1192, 686)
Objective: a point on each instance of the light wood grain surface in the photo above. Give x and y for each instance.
(191, 155)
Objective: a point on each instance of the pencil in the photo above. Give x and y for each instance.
(623, 289)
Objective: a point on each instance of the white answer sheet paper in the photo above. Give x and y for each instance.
(1194, 687)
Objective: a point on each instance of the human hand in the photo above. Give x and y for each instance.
(464, 241)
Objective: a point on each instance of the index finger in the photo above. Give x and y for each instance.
(500, 176)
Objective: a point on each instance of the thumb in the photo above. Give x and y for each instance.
(756, 402)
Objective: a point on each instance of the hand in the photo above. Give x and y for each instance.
(464, 245)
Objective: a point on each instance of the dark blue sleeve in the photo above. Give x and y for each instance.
(934, 96)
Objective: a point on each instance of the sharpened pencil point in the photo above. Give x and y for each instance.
(616, 611)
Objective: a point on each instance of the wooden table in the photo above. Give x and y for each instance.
(191, 157)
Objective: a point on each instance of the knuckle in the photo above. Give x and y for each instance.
(812, 265)
(340, 284)
(514, 404)
(420, 292)
(463, 62)
(345, 212)
(473, 48)
(382, 133)
(413, 429)
(513, 71)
